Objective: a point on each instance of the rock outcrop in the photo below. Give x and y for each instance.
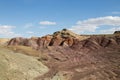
(98, 42)
(74, 57)
(94, 58)
(59, 38)
(117, 32)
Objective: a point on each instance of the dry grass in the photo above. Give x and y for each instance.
(41, 56)
(4, 40)
(16, 66)
(25, 50)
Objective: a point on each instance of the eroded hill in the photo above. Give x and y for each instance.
(17, 66)
(70, 56)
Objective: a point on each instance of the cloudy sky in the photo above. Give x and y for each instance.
(40, 17)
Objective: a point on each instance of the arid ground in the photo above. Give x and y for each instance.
(63, 55)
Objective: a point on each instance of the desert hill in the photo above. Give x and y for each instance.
(60, 38)
(70, 56)
(4, 41)
(17, 66)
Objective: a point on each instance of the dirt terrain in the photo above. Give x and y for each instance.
(70, 56)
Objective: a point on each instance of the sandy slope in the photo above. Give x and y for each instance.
(15, 66)
(4, 40)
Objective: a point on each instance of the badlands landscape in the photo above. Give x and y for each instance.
(63, 55)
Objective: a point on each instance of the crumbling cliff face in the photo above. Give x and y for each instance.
(59, 38)
(74, 57)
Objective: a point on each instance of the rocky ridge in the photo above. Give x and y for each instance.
(75, 57)
(59, 38)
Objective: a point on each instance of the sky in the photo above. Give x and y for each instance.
(28, 18)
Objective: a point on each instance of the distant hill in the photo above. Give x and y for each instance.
(117, 32)
(4, 41)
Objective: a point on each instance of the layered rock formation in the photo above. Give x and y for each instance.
(59, 38)
(74, 57)
(69, 39)
(98, 42)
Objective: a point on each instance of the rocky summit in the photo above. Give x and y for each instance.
(60, 38)
(65, 55)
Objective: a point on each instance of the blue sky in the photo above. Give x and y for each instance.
(40, 17)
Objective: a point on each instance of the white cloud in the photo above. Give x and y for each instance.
(6, 31)
(47, 23)
(30, 32)
(28, 25)
(109, 31)
(90, 25)
(116, 12)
